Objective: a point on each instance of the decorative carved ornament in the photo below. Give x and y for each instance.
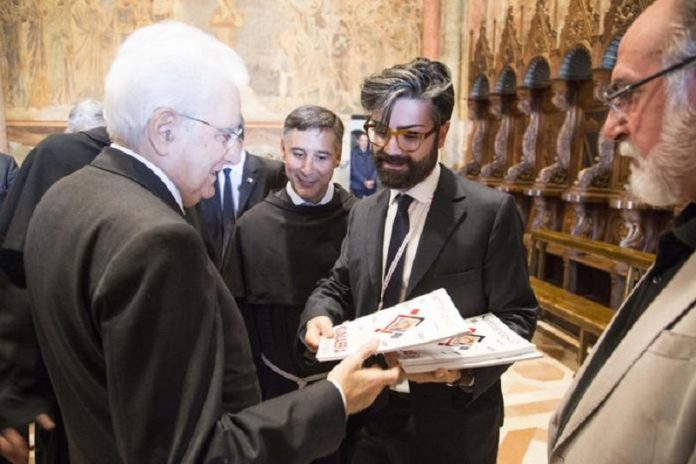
(510, 50)
(620, 15)
(541, 38)
(580, 25)
(483, 58)
(524, 170)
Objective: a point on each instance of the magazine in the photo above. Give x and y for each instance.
(487, 341)
(420, 321)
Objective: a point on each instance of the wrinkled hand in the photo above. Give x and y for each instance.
(320, 326)
(362, 385)
(14, 447)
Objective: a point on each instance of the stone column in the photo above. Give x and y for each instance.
(431, 30)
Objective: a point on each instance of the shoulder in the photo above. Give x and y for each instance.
(461, 187)
(264, 163)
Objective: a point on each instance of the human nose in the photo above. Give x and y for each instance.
(307, 165)
(614, 126)
(392, 145)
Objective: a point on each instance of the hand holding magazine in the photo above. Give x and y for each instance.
(422, 320)
(487, 341)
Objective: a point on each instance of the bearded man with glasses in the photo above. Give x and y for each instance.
(428, 229)
(634, 399)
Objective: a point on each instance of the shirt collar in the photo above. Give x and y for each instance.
(299, 201)
(423, 191)
(158, 172)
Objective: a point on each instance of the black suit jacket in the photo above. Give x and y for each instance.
(8, 169)
(472, 246)
(259, 176)
(143, 342)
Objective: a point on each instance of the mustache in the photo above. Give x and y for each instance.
(382, 157)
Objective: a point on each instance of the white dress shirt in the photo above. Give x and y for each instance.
(422, 194)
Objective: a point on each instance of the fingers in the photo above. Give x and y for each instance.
(13, 447)
(316, 328)
(440, 375)
(45, 421)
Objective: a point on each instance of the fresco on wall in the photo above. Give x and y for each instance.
(55, 52)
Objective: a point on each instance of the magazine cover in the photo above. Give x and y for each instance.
(422, 320)
(486, 341)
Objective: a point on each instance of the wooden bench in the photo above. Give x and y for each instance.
(590, 317)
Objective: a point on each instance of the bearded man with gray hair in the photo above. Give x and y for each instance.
(634, 399)
(143, 343)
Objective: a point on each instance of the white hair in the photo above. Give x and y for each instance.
(166, 65)
(85, 115)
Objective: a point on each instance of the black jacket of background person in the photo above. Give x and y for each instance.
(25, 390)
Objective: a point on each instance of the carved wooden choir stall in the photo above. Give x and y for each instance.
(536, 134)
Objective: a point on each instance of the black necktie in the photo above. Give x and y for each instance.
(399, 231)
(227, 209)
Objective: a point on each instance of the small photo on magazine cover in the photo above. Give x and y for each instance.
(464, 341)
(401, 324)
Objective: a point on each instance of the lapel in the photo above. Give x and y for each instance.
(250, 175)
(373, 239)
(447, 210)
(113, 160)
(668, 306)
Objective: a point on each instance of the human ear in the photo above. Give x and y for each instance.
(161, 130)
(442, 134)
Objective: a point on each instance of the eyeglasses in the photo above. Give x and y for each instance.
(408, 140)
(619, 98)
(224, 135)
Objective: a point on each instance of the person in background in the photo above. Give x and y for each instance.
(642, 370)
(140, 336)
(85, 115)
(363, 175)
(26, 394)
(428, 229)
(244, 180)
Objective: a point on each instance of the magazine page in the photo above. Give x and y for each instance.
(486, 338)
(466, 364)
(422, 320)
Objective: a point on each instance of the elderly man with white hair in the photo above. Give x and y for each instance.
(634, 399)
(144, 345)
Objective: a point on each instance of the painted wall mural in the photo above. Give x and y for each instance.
(55, 52)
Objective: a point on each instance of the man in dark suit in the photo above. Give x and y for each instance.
(250, 178)
(428, 229)
(142, 341)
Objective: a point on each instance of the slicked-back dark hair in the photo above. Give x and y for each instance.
(421, 79)
(308, 117)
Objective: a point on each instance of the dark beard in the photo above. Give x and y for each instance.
(416, 173)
